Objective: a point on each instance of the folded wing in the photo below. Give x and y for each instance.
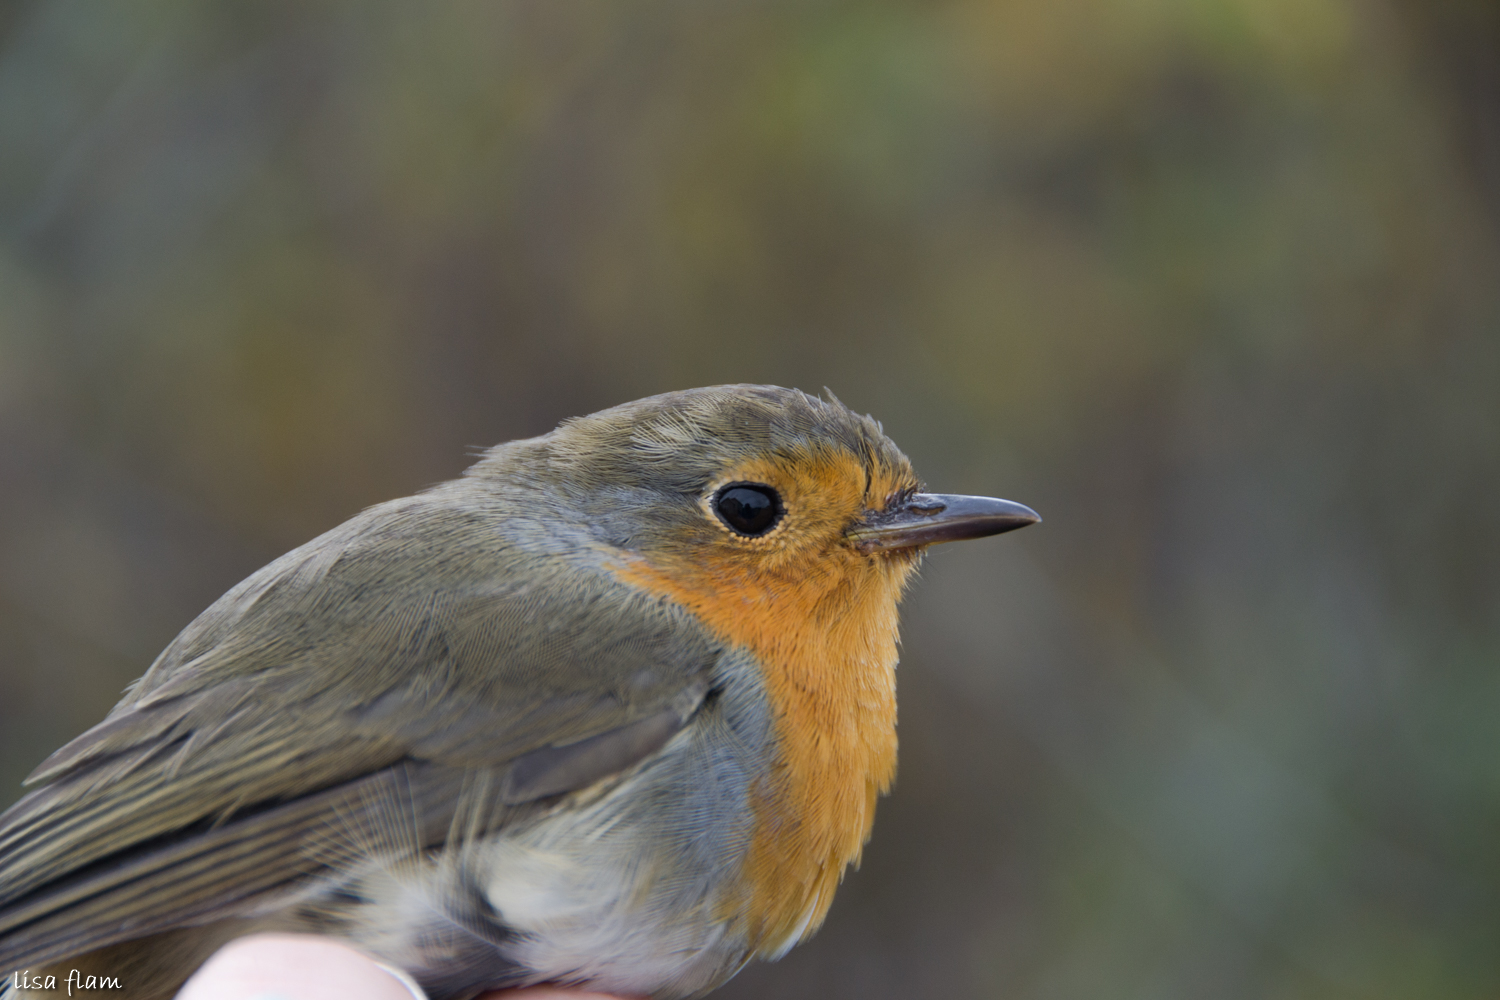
(332, 691)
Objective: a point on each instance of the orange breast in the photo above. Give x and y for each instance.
(824, 631)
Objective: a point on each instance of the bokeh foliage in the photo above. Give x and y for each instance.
(1212, 284)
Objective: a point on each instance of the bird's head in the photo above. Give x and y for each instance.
(752, 492)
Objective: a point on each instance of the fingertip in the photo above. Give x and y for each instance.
(292, 967)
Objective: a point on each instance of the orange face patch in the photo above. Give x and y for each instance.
(821, 620)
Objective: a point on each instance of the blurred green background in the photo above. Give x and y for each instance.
(1212, 284)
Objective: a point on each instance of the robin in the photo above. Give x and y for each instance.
(613, 708)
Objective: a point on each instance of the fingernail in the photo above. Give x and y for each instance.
(404, 978)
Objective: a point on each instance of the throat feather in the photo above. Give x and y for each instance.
(827, 650)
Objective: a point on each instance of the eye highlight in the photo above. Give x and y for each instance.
(749, 509)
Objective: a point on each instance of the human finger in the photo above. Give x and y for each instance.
(293, 967)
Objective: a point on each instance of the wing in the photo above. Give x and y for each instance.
(421, 647)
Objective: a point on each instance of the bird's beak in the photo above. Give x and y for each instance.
(930, 518)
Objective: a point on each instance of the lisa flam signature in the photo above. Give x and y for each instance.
(74, 980)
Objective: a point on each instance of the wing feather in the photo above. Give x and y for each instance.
(425, 642)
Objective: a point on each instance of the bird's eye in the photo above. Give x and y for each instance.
(749, 508)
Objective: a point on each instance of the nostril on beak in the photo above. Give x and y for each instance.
(927, 506)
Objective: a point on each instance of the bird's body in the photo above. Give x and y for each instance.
(560, 720)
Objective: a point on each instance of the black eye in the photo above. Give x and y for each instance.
(748, 508)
